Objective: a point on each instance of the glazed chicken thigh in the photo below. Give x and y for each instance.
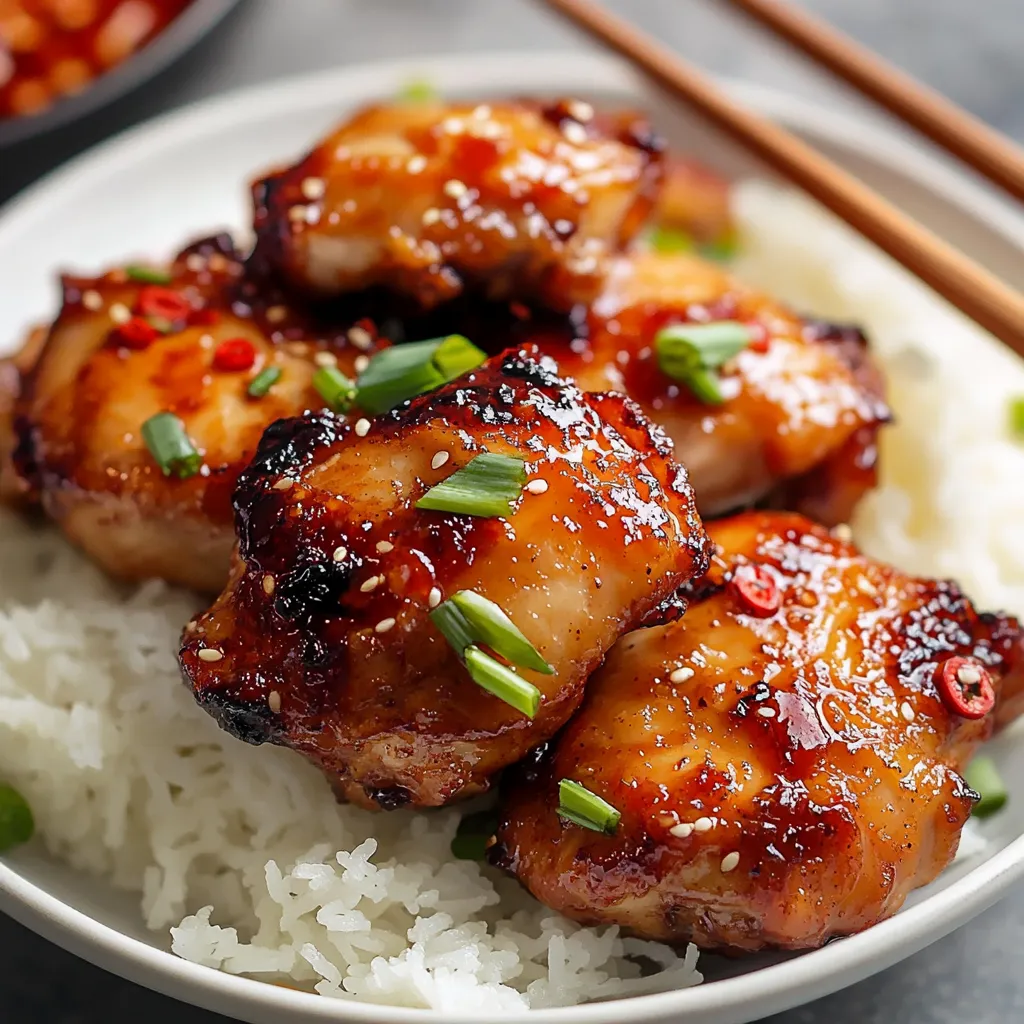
(515, 200)
(124, 349)
(801, 404)
(327, 639)
(786, 757)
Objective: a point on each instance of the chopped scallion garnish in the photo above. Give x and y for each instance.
(667, 240)
(983, 777)
(404, 371)
(485, 486)
(334, 388)
(148, 275)
(171, 446)
(723, 248)
(264, 381)
(474, 834)
(500, 680)
(417, 90)
(161, 324)
(1017, 417)
(467, 619)
(691, 353)
(578, 805)
(16, 821)
(490, 625)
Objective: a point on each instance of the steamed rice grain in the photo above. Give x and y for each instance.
(243, 853)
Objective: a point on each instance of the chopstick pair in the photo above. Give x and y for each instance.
(980, 295)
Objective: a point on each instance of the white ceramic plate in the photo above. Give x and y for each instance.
(146, 191)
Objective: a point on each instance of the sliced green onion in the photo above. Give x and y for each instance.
(263, 381)
(148, 275)
(669, 240)
(1017, 417)
(170, 445)
(474, 835)
(454, 626)
(722, 249)
(983, 777)
(690, 353)
(417, 90)
(404, 371)
(500, 680)
(485, 486)
(334, 388)
(578, 805)
(161, 324)
(490, 625)
(16, 821)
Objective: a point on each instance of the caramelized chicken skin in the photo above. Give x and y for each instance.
(81, 407)
(803, 403)
(782, 777)
(513, 199)
(322, 640)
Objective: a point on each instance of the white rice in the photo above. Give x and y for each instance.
(246, 847)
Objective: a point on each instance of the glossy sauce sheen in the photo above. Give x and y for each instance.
(812, 742)
(85, 395)
(511, 199)
(352, 672)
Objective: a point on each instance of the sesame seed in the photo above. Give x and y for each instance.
(766, 712)
(729, 861)
(865, 586)
(680, 675)
(275, 314)
(439, 459)
(371, 584)
(313, 188)
(703, 825)
(218, 262)
(575, 133)
(454, 188)
(580, 110)
(362, 427)
(431, 216)
(969, 675)
(284, 483)
(92, 299)
(416, 163)
(325, 359)
(210, 654)
(361, 363)
(537, 486)
(296, 214)
(274, 701)
(340, 554)
(195, 262)
(119, 313)
(434, 597)
(268, 584)
(384, 625)
(360, 337)
(682, 831)
(384, 546)
(907, 711)
(842, 533)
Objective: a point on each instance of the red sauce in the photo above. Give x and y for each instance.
(55, 48)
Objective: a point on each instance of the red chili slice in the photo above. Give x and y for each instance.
(756, 588)
(136, 333)
(162, 302)
(759, 338)
(234, 354)
(965, 687)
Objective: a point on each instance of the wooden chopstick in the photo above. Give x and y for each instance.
(976, 144)
(969, 287)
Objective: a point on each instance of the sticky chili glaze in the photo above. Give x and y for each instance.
(787, 768)
(102, 370)
(322, 640)
(510, 199)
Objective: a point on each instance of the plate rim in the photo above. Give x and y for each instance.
(771, 989)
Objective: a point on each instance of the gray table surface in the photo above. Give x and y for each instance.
(971, 51)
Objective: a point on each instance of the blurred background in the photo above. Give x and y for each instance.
(970, 51)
